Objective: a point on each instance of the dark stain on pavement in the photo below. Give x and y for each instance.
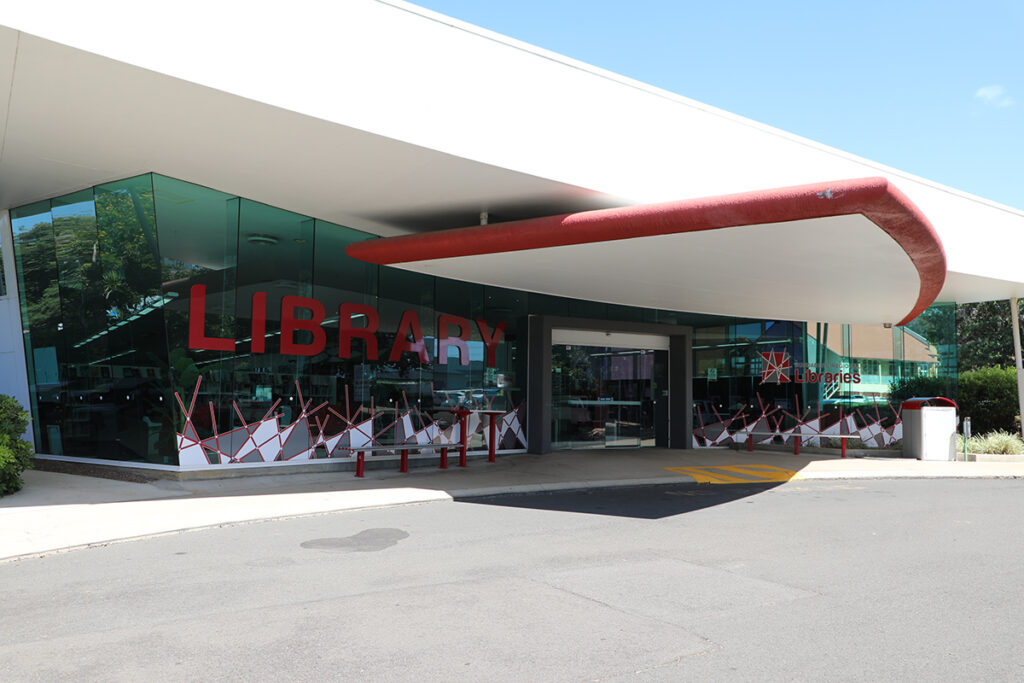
(366, 541)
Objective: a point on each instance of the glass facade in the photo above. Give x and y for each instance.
(150, 298)
(834, 374)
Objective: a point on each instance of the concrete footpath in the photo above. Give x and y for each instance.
(62, 511)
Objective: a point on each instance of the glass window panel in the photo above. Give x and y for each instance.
(39, 289)
(83, 304)
(625, 313)
(471, 385)
(198, 240)
(509, 306)
(275, 259)
(870, 352)
(342, 383)
(406, 378)
(931, 340)
(543, 304)
(129, 256)
(588, 309)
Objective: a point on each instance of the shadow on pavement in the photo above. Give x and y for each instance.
(655, 501)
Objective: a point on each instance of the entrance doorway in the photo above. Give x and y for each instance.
(594, 383)
(608, 396)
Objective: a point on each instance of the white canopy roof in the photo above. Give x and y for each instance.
(392, 119)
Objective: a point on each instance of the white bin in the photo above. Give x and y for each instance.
(929, 428)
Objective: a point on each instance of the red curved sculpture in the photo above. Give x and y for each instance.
(874, 198)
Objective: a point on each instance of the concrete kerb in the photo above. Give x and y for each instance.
(141, 474)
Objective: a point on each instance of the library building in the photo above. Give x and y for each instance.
(382, 229)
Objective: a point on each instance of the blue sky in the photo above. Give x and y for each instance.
(932, 88)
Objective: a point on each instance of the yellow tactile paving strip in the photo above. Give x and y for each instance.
(737, 474)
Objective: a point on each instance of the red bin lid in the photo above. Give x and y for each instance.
(929, 401)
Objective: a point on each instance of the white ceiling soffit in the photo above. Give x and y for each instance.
(963, 288)
(74, 119)
(841, 269)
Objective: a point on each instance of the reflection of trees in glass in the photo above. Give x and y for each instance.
(81, 277)
(574, 365)
(936, 324)
(38, 277)
(40, 308)
(128, 251)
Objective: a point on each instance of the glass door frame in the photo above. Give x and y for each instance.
(679, 420)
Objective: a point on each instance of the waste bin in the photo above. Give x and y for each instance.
(929, 428)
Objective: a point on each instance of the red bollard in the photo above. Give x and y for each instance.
(405, 461)
(492, 433)
(796, 448)
(465, 441)
(844, 447)
(360, 464)
(444, 457)
(750, 443)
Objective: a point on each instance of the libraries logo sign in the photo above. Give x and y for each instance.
(776, 368)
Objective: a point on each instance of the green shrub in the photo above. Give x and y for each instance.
(989, 397)
(15, 453)
(999, 442)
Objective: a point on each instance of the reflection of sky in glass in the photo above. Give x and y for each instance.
(26, 223)
(84, 208)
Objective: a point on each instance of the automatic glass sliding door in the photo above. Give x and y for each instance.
(606, 397)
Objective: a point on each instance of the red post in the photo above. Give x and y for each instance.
(796, 447)
(750, 443)
(465, 440)
(844, 447)
(492, 430)
(405, 461)
(444, 457)
(360, 464)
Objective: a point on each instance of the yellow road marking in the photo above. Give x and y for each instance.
(766, 472)
(725, 474)
(708, 475)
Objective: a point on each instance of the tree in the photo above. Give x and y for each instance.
(984, 335)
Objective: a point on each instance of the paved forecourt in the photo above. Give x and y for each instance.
(58, 511)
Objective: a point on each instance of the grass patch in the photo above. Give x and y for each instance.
(994, 443)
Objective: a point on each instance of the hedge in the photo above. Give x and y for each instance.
(15, 453)
(989, 397)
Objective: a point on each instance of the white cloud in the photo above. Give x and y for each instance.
(993, 96)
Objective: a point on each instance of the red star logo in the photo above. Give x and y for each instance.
(775, 367)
